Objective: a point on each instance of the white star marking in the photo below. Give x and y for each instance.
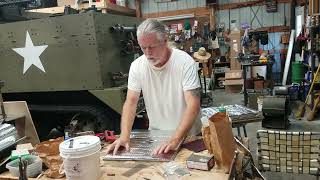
(31, 54)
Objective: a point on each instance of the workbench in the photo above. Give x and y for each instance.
(141, 169)
(244, 70)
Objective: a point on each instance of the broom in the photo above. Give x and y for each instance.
(313, 112)
(302, 108)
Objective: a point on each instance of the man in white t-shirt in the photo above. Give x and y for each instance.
(168, 79)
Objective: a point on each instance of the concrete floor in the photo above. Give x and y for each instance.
(220, 97)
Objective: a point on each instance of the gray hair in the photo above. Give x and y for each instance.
(152, 26)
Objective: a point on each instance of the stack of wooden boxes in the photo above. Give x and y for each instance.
(233, 81)
(233, 77)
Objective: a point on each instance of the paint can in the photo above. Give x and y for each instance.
(81, 157)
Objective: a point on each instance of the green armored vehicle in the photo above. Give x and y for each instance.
(69, 68)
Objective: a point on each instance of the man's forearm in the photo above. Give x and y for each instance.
(189, 116)
(187, 120)
(127, 118)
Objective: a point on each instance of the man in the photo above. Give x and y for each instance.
(170, 85)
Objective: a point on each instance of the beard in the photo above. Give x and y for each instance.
(154, 61)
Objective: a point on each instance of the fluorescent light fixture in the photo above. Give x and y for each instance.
(177, 17)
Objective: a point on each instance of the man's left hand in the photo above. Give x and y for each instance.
(166, 147)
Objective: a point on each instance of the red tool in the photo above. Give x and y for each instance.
(108, 136)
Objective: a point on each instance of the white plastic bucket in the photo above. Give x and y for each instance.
(81, 157)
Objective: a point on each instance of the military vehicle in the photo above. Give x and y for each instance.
(69, 68)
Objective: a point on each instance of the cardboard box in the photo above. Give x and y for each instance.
(98, 4)
(233, 88)
(235, 64)
(235, 49)
(201, 162)
(66, 2)
(229, 82)
(258, 84)
(233, 74)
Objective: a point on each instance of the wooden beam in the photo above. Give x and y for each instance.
(116, 9)
(203, 11)
(246, 4)
(51, 10)
(310, 7)
(316, 6)
(274, 29)
(239, 5)
(138, 9)
(212, 19)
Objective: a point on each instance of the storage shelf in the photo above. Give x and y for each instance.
(217, 63)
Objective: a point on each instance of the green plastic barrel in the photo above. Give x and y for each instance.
(297, 72)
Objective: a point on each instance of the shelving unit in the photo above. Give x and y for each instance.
(104, 6)
(219, 73)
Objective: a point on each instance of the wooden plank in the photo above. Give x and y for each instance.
(310, 7)
(246, 4)
(212, 19)
(20, 108)
(204, 11)
(52, 10)
(316, 6)
(115, 9)
(313, 7)
(239, 5)
(138, 9)
(274, 29)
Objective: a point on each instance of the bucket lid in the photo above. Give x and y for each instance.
(79, 146)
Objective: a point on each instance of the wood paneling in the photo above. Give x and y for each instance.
(274, 29)
(246, 4)
(198, 12)
(313, 7)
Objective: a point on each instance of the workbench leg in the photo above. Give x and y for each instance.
(245, 94)
(244, 130)
(205, 86)
(239, 131)
(199, 75)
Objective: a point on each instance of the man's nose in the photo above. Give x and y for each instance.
(148, 51)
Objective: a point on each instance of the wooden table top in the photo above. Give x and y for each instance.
(141, 169)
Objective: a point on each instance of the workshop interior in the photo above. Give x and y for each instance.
(65, 87)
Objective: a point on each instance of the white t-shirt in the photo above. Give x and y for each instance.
(163, 89)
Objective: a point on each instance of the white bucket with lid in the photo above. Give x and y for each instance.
(81, 157)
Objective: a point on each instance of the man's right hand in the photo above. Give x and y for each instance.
(121, 142)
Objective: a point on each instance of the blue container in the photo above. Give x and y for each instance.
(306, 90)
(294, 92)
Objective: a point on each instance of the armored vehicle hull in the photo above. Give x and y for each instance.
(64, 66)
